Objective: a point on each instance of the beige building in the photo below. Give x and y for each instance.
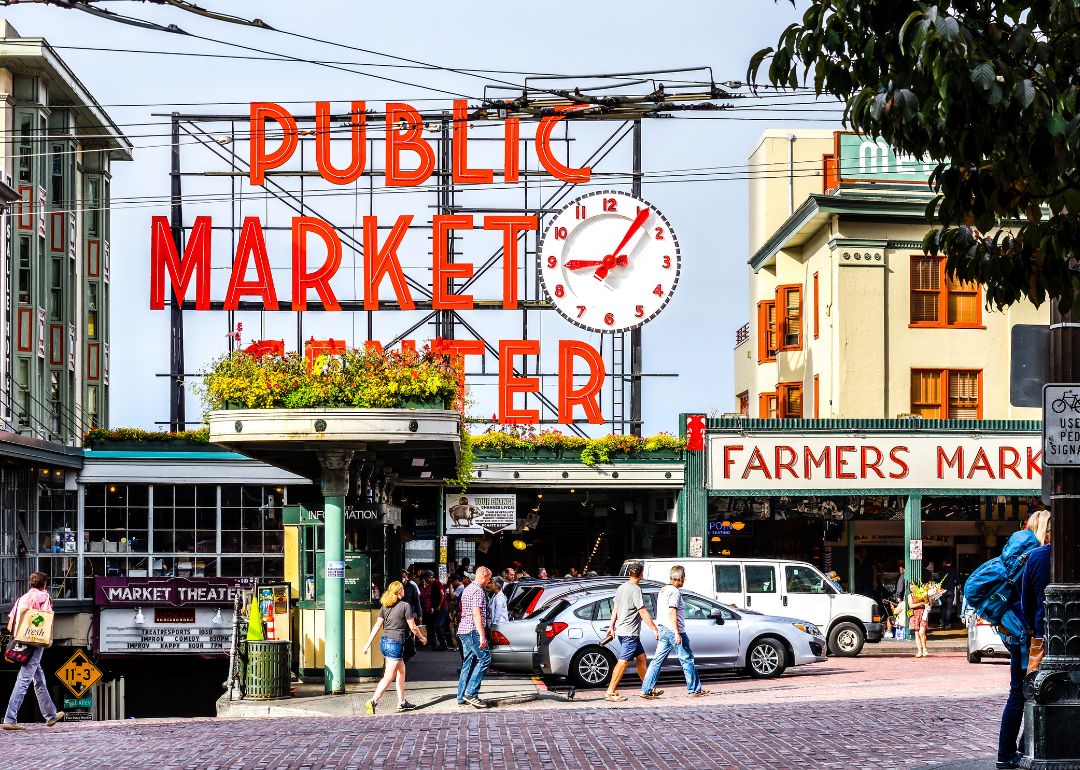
(848, 317)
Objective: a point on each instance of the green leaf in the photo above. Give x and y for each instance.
(1071, 129)
(1056, 125)
(947, 28)
(1023, 92)
(983, 76)
(907, 102)
(904, 29)
(986, 222)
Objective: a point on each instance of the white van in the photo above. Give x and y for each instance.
(792, 589)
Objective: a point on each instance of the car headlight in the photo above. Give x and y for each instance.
(808, 628)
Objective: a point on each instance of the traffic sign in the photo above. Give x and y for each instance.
(78, 703)
(79, 674)
(1061, 425)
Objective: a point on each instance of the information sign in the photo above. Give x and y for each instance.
(335, 569)
(136, 631)
(1061, 425)
(79, 674)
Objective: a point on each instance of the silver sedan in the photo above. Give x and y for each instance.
(570, 632)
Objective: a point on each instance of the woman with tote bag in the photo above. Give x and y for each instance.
(37, 598)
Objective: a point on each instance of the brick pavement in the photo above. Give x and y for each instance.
(882, 713)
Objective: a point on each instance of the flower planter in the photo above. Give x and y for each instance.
(179, 445)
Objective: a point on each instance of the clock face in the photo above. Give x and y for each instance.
(609, 261)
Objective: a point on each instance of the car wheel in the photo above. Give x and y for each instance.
(974, 657)
(591, 668)
(766, 659)
(846, 640)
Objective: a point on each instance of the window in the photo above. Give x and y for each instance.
(115, 518)
(817, 397)
(963, 400)
(93, 207)
(767, 406)
(959, 304)
(91, 310)
(803, 580)
(789, 299)
(760, 579)
(790, 399)
(696, 609)
(767, 342)
(251, 519)
(24, 271)
(816, 301)
(744, 403)
(92, 406)
(728, 579)
(56, 289)
(586, 612)
(603, 610)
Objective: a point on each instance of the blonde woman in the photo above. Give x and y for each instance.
(920, 616)
(396, 619)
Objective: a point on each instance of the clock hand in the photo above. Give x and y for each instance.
(577, 264)
(639, 220)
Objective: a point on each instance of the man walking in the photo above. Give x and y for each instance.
(37, 598)
(626, 616)
(473, 637)
(948, 584)
(437, 597)
(671, 615)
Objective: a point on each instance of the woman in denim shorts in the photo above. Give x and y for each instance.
(396, 619)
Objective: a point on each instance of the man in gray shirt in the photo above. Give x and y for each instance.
(627, 612)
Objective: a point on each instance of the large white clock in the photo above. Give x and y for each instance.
(609, 261)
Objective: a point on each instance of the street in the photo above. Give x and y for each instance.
(872, 711)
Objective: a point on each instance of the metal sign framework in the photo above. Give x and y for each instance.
(287, 187)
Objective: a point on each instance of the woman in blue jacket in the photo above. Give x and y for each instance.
(1032, 585)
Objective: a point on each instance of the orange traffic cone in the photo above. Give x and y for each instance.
(270, 634)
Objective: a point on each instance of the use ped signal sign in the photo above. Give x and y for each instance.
(79, 674)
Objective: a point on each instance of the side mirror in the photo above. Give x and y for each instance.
(717, 615)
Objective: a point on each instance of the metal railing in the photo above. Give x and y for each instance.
(742, 334)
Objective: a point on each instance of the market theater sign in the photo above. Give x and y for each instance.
(845, 462)
(647, 255)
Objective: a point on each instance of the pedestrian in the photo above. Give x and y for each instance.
(1035, 583)
(425, 597)
(920, 618)
(508, 575)
(437, 597)
(628, 610)
(541, 574)
(465, 566)
(901, 583)
(497, 610)
(396, 620)
(865, 575)
(948, 585)
(37, 598)
(472, 634)
(671, 616)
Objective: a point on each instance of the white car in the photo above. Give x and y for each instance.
(983, 640)
(782, 588)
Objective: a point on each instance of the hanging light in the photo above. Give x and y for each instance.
(725, 553)
(217, 618)
(520, 545)
(738, 525)
(139, 619)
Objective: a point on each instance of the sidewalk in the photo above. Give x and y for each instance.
(431, 684)
(953, 640)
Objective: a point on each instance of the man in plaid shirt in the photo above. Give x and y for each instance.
(471, 632)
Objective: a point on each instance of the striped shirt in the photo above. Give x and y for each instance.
(471, 597)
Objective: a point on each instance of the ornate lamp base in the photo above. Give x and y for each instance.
(1052, 711)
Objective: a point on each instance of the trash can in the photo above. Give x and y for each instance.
(267, 674)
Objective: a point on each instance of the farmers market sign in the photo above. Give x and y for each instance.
(895, 461)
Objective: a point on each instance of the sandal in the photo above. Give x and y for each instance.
(614, 697)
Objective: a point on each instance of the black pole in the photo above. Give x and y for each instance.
(635, 333)
(177, 415)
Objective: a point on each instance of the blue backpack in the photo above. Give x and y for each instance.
(991, 590)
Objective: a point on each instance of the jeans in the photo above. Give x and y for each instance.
(686, 660)
(31, 671)
(1014, 706)
(946, 610)
(438, 627)
(476, 664)
(392, 649)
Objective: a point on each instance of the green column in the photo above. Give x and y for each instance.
(440, 531)
(335, 485)
(912, 531)
(851, 556)
(693, 499)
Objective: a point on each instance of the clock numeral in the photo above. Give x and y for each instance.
(560, 291)
(639, 311)
(560, 233)
(579, 212)
(580, 311)
(609, 319)
(551, 261)
(667, 262)
(610, 204)
(659, 292)
(659, 233)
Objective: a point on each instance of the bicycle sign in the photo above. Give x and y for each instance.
(1061, 425)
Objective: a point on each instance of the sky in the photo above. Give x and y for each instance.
(693, 337)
